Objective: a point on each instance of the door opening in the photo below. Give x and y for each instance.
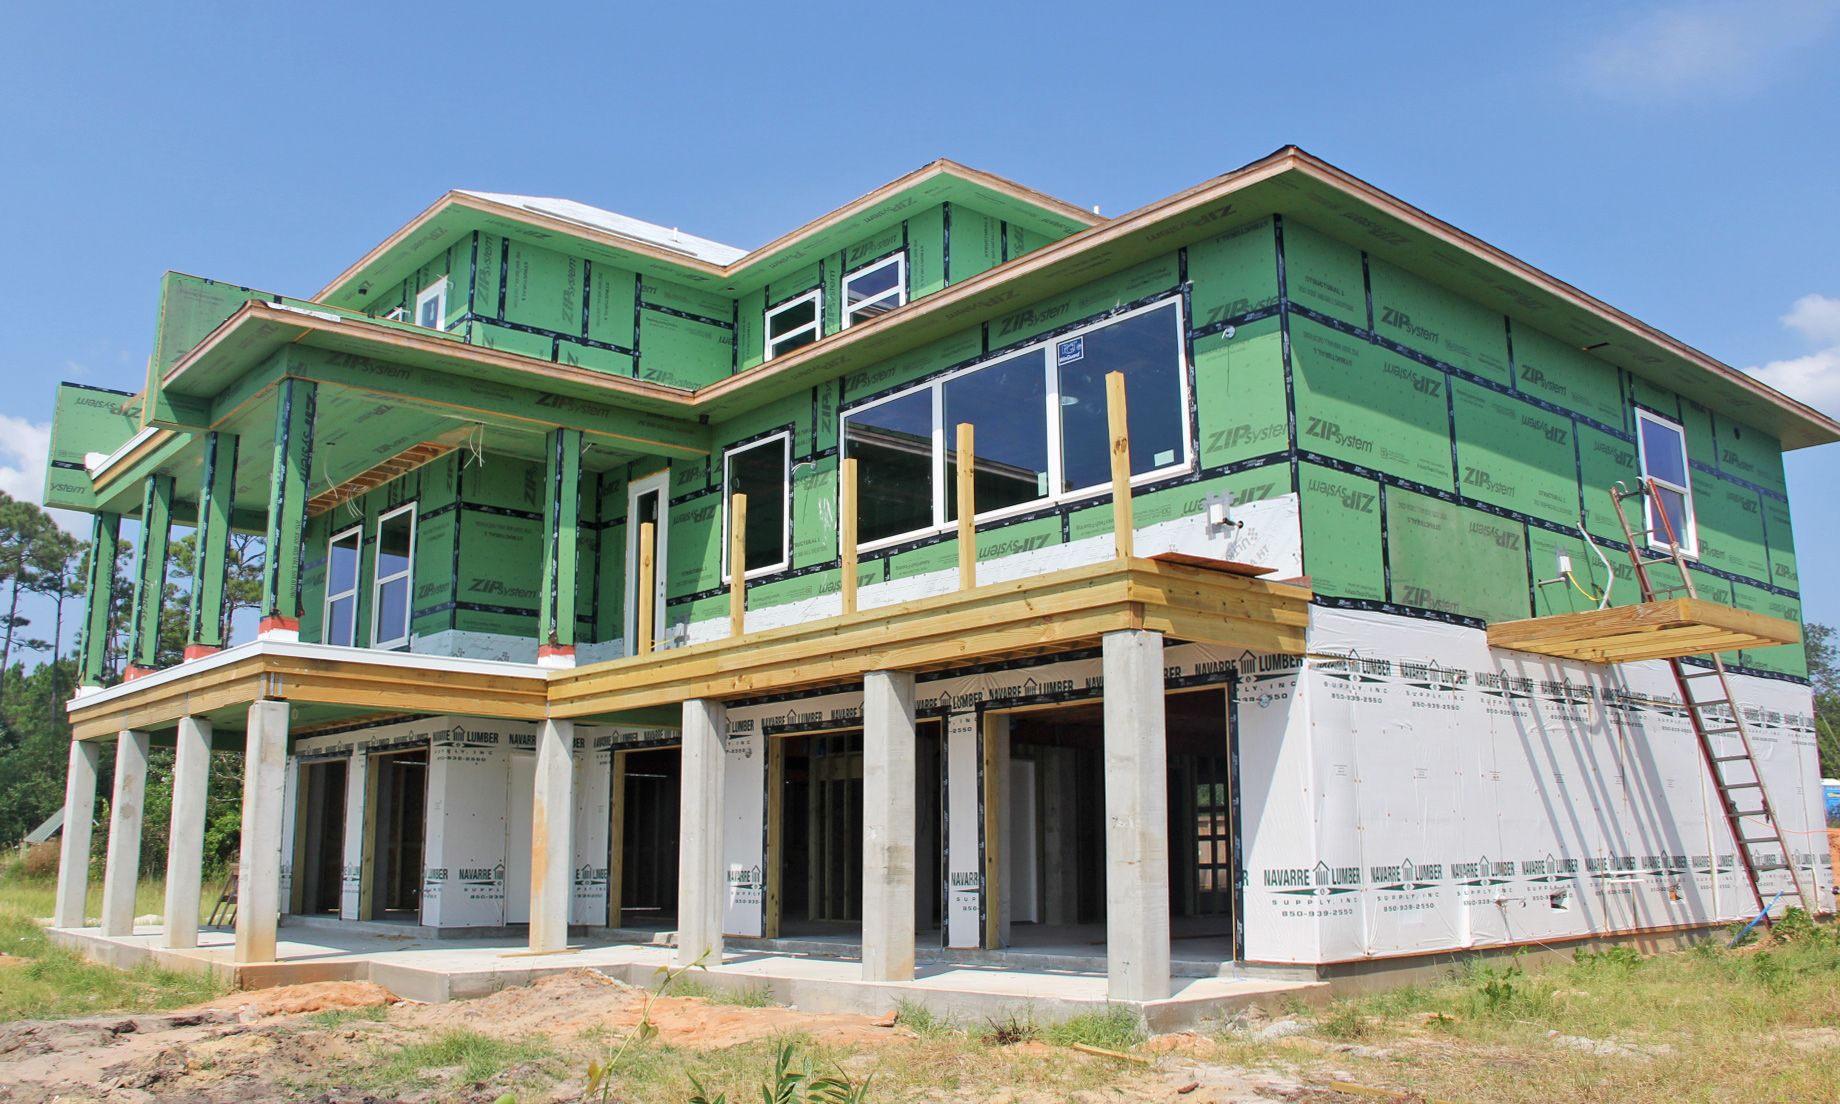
(392, 878)
(646, 501)
(320, 846)
(643, 882)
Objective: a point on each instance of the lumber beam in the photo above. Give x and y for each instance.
(1119, 424)
(737, 564)
(967, 507)
(846, 494)
(1666, 629)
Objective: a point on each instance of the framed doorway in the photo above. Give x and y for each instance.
(647, 499)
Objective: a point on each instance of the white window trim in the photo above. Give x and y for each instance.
(1690, 539)
(438, 292)
(898, 292)
(357, 581)
(378, 579)
(816, 298)
(942, 437)
(785, 533)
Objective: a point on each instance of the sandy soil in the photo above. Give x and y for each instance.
(262, 1045)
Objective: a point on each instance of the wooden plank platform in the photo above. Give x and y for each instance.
(1044, 614)
(1651, 630)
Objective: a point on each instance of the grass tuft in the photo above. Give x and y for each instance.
(1116, 1028)
(923, 1021)
(475, 1055)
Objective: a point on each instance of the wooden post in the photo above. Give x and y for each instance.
(643, 592)
(776, 838)
(846, 476)
(967, 508)
(737, 565)
(1121, 462)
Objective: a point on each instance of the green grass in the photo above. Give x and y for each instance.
(923, 1021)
(1696, 1025)
(751, 996)
(339, 1017)
(473, 1055)
(1112, 1029)
(56, 983)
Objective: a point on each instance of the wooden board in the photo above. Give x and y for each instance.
(1651, 630)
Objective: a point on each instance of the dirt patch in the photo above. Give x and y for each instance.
(580, 1000)
(10, 960)
(296, 1000)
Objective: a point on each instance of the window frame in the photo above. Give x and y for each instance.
(898, 292)
(816, 298)
(378, 579)
(357, 584)
(784, 437)
(1689, 541)
(1046, 348)
(436, 291)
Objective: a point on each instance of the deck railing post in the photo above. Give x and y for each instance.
(737, 565)
(1119, 425)
(846, 499)
(967, 507)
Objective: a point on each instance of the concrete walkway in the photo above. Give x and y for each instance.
(423, 969)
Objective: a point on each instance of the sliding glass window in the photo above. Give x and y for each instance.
(1041, 432)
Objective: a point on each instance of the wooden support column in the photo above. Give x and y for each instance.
(561, 541)
(616, 841)
(288, 487)
(98, 594)
(1119, 424)
(967, 508)
(79, 823)
(150, 576)
(205, 622)
(185, 840)
(258, 911)
(846, 518)
(122, 873)
(737, 564)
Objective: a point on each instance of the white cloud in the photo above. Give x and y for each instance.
(1815, 317)
(24, 448)
(1814, 378)
(1704, 47)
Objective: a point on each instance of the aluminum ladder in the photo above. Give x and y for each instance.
(1761, 844)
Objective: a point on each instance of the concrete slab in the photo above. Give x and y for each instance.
(453, 969)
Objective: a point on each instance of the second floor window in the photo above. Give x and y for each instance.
(1663, 447)
(874, 289)
(795, 323)
(395, 583)
(431, 306)
(342, 587)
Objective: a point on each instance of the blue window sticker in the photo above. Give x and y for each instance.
(1071, 350)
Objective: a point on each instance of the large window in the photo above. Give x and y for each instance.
(431, 306)
(1039, 423)
(342, 587)
(795, 323)
(874, 289)
(394, 586)
(760, 471)
(1663, 448)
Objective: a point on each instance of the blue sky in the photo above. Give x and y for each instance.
(1679, 161)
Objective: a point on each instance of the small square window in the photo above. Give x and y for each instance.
(795, 323)
(431, 306)
(874, 290)
(1668, 507)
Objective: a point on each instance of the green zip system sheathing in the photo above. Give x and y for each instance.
(98, 578)
(287, 501)
(152, 555)
(205, 616)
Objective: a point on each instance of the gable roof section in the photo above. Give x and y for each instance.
(648, 248)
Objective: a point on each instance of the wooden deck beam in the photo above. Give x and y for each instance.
(1650, 630)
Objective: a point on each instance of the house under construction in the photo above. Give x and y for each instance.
(1274, 574)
